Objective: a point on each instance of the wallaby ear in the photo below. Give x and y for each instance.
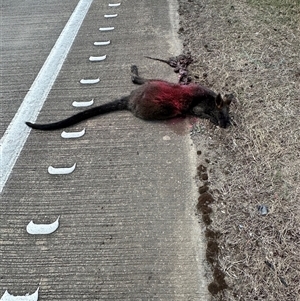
(219, 101)
(228, 98)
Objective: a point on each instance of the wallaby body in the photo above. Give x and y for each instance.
(157, 100)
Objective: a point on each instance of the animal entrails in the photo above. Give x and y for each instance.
(157, 100)
(180, 65)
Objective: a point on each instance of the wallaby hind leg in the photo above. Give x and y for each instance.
(136, 79)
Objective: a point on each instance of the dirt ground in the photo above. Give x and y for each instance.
(249, 174)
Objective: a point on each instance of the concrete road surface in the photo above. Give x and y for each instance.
(127, 227)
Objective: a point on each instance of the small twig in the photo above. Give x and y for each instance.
(271, 266)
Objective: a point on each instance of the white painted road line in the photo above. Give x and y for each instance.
(17, 132)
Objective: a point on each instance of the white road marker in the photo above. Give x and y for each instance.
(8, 297)
(111, 16)
(106, 28)
(80, 104)
(89, 81)
(33, 228)
(104, 43)
(17, 132)
(61, 170)
(97, 58)
(70, 135)
(114, 4)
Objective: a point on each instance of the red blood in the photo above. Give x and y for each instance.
(178, 96)
(162, 100)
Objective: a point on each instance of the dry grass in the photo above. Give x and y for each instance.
(251, 48)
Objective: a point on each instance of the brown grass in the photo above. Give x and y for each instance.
(251, 48)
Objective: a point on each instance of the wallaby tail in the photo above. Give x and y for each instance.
(116, 105)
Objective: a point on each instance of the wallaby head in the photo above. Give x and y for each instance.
(212, 106)
(222, 110)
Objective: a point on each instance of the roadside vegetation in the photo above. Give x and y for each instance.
(252, 170)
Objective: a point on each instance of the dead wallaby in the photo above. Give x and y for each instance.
(157, 100)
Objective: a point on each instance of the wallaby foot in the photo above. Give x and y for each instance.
(135, 78)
